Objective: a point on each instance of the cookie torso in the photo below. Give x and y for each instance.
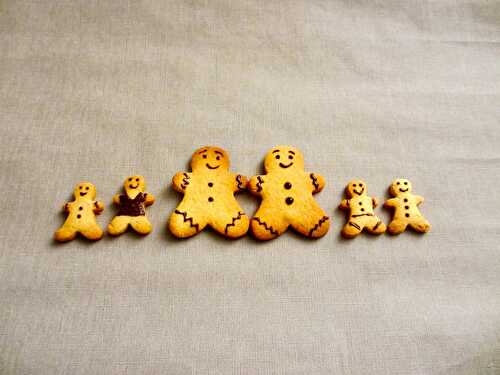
(406, 207)
(132, 207)
(81, 214)
(361, 206)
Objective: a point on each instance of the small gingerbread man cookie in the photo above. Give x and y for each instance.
(209, 196)
(361, 215)
(287, 197)
(81, 215)
(405, 206)
(132, 207)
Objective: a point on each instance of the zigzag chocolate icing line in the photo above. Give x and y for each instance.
(236, 218)
(185, 180)
(268, 228)
(239, 182)
(187, 219)
(314, 181)
(259, 184)
(318, 225)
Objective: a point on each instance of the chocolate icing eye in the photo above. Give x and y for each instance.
(137, 179)
(130, 179)
(277, 156)
(354, 185)
(204, 156)
(87, 188)
(360, 185)
(218, 157)
(80, 187)
(398, 183)
(406, 183)
(290, 157)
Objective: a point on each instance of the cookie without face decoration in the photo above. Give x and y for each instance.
(209, 196)
(405, 206)
(286, 192)
(81, 215)
(361, 214)
(132, 204)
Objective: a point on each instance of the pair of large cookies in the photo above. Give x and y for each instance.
(286, 192)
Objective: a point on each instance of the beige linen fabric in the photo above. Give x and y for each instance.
(99, 90)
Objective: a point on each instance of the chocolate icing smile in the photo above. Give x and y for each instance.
(133, 187)
(286, 166)
(83, 194)
(359, 193)
(210, 167)
(403, 190)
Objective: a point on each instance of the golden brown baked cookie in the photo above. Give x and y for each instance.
(361, 215)
(81, 215)
(405, 206)
(209, 196)
(287, 197)
(132, 207)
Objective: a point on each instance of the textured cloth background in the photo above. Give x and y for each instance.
(99, 90)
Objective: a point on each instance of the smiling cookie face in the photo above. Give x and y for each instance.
(356, 188)
(283, 158)
(399, 186)
(85, 190)
(210, 159)
(134, 185)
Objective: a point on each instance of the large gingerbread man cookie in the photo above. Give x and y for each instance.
(81, 215)
(361, 215)
(209, 196)
(287, 197)
(405, 206)
(132, 207)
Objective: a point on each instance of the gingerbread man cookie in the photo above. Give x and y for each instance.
(132, 207)
(405, 206)
(287, 197)
(81, 215)
(361, 215)
(209, 196)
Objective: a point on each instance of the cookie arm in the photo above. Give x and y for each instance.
(390, 202)
(240, 183)
(419, 199)
(98, 207)
(255, 185)
(374, 202)
(344, 205)
(181, 181)
(116, 199)
(317, 181)
(149, 199)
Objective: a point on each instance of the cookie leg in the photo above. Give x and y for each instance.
(376, 226)
(64, 234)
(420, 225)
(351, 229)
(397, 226)
(92, 233)
(141, 225)
(183, 225)
(312, 224)
(268, 225)
(118, 225)
(232, 226)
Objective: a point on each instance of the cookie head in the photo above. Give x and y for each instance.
(400, 186)
(210, 159)
(283, 158)
(134, 184)
(356, 188)
(85, 190)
